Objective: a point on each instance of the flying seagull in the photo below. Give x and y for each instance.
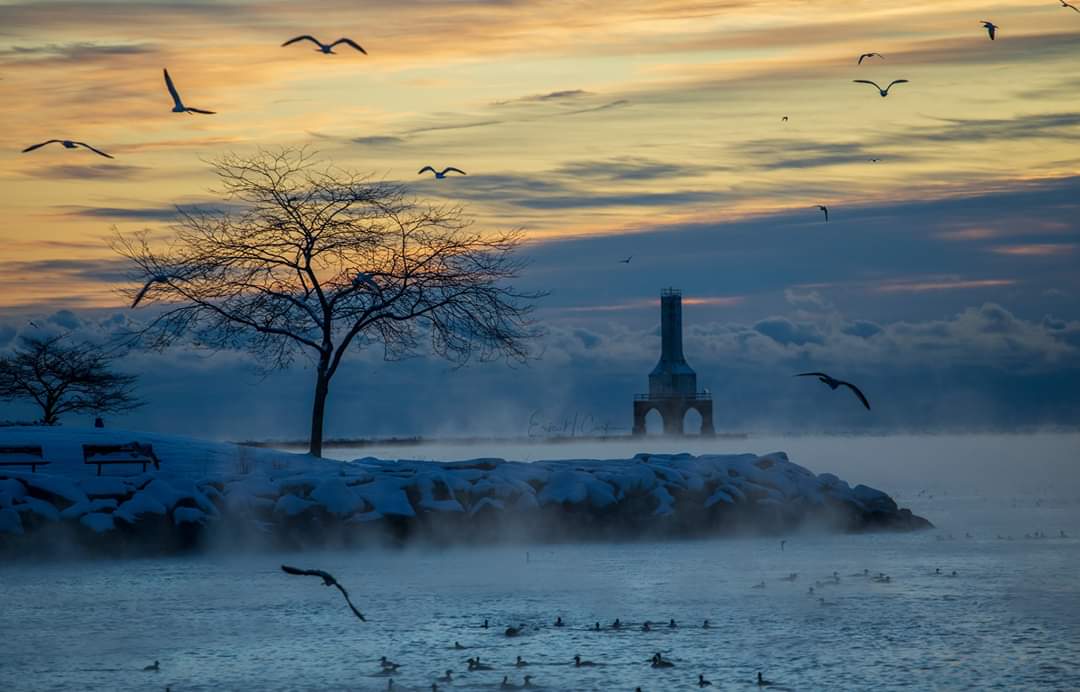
(991, 28)
(442, 173)
(158, 279)
(783, 119)
(884, 92)
(68, 144)
(864, 56)
(178, 105)
(327, 581)
(825, 209)
(328, 49)
(1069, 5)
(834, 383)
(627, 260)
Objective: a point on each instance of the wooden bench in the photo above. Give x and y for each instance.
(130, 453)
(23, 456)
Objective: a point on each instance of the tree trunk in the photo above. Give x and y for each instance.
(318, 411)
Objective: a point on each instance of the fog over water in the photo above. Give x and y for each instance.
(1009, 619)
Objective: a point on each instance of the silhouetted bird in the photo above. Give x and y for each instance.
(702, 682)
(1069, 5)
(327, 581)
(441, 174)
(578, 663)
(825, 210)
(784, 119)
(178, 105)
(159, 279)
(834, 383)
(991, 28)
(627, 260)
(884, 92)
(762, 682)
(864, 56)
(324, 48)
(68, 144)
(155, 667)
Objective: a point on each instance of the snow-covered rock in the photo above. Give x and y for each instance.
(141, 503)
(10, 522)
(337, 497)
(98, 522)
(201, 484)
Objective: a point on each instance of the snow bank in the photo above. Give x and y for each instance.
(202, 486)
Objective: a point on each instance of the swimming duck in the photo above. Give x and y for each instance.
(646, 626)
(156, 666)
(520, 662)
(578, 663)
(558, 621)
(671, 624)
(449, 677)
(705, 625)
(702, 682)
(617, 624)
(387, 664)
(506, 684)
(762, 682)
(528, 682)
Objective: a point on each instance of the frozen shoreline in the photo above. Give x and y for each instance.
(212, 494)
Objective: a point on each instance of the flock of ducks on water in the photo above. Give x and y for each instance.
(657, 661)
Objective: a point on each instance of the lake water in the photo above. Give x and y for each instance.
(1010, 619)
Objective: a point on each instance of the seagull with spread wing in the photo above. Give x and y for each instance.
(328, 580)
(864, 56)
(1069, 5)
(991, 28)
(825, 210)
(441, 174)
(884, 92)
(328, 49)
(834, 383)
(68, 144)
(158, 279)
(178, 105)
(627, 260)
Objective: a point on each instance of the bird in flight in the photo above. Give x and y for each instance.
(874, 160)
(159, 279)
(327, 49)
(1069, 5)
(884, 92)
(442, 173)
(783, 119)
(991, 28)
(327, 581)
(834, 383)
(627, 260)
(68, 144)
(825, 209)
(178, 105)
(864, 56)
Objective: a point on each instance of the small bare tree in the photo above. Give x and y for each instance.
(307, 258)
(62, 377)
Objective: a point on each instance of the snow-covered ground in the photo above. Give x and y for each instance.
(204, 484)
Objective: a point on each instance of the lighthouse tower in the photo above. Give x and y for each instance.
(672, 383)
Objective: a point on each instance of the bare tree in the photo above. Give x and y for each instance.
(63, 377)
(306, 258)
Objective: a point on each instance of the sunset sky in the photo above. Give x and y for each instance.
(602, 130)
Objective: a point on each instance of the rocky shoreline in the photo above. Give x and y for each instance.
(378, 502)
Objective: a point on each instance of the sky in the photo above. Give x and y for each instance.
(945, 278)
